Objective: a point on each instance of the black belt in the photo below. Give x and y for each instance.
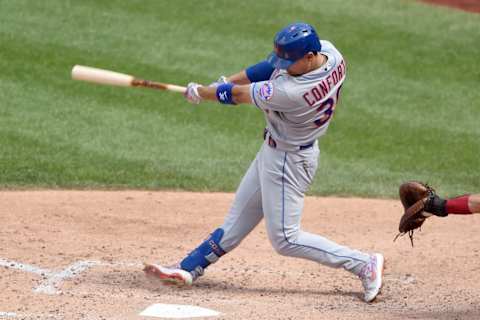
(272, 143)
(306, 146)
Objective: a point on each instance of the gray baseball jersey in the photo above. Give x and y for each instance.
(298, 110)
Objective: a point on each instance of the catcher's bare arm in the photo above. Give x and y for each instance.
(474, 203)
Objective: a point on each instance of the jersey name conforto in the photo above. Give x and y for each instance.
(318, 92)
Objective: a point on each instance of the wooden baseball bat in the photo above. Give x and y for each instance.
(101, 76)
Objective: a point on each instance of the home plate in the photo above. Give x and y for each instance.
(177, 311)
(7, 315)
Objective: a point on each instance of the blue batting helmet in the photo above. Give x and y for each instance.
(292, 43)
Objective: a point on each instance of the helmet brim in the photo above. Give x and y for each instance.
(277, 62)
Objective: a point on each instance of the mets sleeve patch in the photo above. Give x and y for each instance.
(266, 91)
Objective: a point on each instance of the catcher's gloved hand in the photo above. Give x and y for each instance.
(192, 93)
(420, 202)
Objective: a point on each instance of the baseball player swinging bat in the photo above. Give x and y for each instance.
(102, 76)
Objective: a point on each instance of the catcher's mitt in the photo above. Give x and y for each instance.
(415, 197)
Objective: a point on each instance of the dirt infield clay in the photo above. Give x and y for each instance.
(438, 279)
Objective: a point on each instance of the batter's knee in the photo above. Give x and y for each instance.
(282, 244)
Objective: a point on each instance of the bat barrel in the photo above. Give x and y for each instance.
(101, 76)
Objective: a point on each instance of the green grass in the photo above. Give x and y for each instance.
(410, 108)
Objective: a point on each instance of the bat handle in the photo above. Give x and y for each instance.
(157, 85)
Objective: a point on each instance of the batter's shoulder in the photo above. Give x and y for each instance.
(288, 86)
(326, 45)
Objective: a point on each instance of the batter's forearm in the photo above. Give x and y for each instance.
(258, 72)
(208, 93)
(240, 93)
(239, 78)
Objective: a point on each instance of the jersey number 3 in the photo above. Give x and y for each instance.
(326, 109)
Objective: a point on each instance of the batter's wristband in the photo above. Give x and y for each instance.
(224, 93)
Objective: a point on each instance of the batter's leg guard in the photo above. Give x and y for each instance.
(207, 253)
